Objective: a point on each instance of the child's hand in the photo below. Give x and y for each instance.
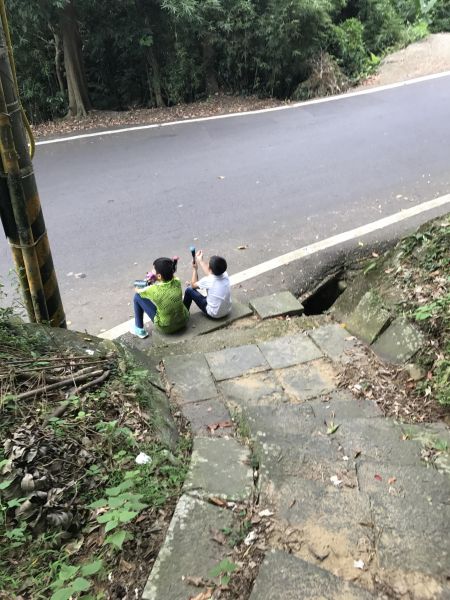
(200, 255)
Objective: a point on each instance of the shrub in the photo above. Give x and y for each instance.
(349, 48)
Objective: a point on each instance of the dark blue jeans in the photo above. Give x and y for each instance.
(193, 295)
(141, 306)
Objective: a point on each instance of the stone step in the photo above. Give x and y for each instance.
(188, 550)
(244, 332)
(381, 440)
(285, 577)
(418, 485)
(412, 536)
(220, 468)
(199, 324)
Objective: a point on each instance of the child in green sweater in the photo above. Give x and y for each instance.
(162, 301)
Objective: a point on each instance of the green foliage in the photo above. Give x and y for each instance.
(349, 47)
(144, 52)
(223, 571)
(73, 580)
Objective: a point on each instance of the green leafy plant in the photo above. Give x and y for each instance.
(223, 571)
(74, 580)
(121, 506)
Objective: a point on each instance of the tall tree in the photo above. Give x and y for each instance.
(77, 88)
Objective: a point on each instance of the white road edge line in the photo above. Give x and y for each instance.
(372, 90)
(285, 259)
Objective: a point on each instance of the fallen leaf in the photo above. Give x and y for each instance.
(378, 477)
(219, 425)
(217, 501)
(206, 595)
(196, 581)
(392, 480)
(332, 428)
(219, 537)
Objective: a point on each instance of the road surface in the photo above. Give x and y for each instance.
(273, 181)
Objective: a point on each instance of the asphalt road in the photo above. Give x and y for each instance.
(274, 181)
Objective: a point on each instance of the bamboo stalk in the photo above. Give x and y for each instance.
(31, 235)
(59, 384)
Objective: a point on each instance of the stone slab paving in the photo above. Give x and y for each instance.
(276, 305)
(233, 362)
(330, 525)
(188, 550)
(369, 318)
(425, 485)
(345, 483)
(341, 405)
(220, 468)
(255, 389)
(283, 576)
(335, 341)
(205, 415)
(308, 380)
(399, 343)
(290, 350)
(412, 536)
(200, 324)
(190, 376)
(312, 457)
(379, 440)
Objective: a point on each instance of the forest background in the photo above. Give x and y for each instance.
(73, 55)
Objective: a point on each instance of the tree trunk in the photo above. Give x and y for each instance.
(156, 77)
(59, 59)
(209, 60)
(79, 102)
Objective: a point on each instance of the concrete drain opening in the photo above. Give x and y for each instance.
(324, 295)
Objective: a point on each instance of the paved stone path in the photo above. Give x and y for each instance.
(357, 513)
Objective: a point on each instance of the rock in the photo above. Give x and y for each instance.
(415, 372)
(369, 318)
(399, 342)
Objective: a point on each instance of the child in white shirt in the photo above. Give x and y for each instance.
(217, 303)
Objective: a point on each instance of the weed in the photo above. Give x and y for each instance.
(223, 571)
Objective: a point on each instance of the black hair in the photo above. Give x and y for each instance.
(166, 267)
(218, 265)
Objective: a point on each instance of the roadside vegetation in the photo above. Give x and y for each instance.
(413, 281)
(425, 275)
(75, 55)
(79, 516)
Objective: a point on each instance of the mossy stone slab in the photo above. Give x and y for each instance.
(369, 319)
(400, 342)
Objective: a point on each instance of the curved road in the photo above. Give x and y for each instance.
(274, 181)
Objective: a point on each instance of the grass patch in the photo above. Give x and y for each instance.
(79, 518)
